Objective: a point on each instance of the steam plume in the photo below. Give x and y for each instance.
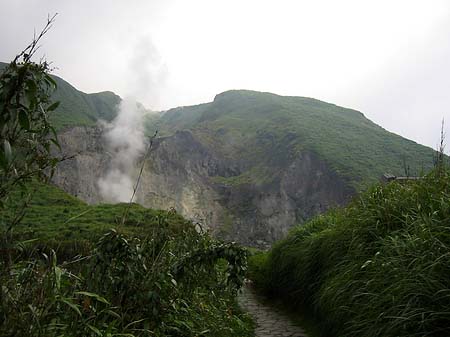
(124, 136)
(125, 142)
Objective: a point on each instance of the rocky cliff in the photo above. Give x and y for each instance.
(248, 165)
(184, 174)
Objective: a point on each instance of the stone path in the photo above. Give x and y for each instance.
(270, 322)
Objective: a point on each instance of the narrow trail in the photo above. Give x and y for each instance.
(270, 322)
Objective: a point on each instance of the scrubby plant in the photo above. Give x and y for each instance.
(130, 286)
(378, 267)
(26, 135)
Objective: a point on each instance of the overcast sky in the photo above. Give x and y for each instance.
(390, 59)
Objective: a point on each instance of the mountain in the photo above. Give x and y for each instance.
(248, 165)
(78, 108)
(259, 130)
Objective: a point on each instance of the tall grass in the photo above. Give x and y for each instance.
(379, 267)
(176, 281)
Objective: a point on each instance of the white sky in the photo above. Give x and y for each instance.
(390, 59)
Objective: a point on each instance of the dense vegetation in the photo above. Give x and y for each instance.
(63, 272)
(379, 267)
(154, 275)
(265, 131)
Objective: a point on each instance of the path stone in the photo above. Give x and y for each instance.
(270, 322)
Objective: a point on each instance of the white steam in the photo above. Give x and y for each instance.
(125, 142)
(124, 136)
(148, 72)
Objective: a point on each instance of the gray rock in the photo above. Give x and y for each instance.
(183, 173)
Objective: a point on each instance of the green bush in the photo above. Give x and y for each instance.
(378, 267)
(256, 267)
(175, 282)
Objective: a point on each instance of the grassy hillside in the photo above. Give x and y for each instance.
(56, 218)
(78, 108)
(261, 129)
(153, 275)
(378, 267)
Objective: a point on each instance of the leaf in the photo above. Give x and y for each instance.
(50, 80)
(93, 328)
(7, 151)
(55, 142)
(28, 241)
(53, 106)
(97, 297)
(134, 322)
(58, 273)
(72, 305)
(23, 120)
(113, 313)
(31, 94)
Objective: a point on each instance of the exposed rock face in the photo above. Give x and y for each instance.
(181, 172)
(264, 213)
(87, 162)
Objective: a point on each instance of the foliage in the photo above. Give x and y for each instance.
(26, 135)
(378, 267)
(129, 286)
(156, 267)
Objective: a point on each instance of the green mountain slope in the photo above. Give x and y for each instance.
(56, 218)
(261, 129)
(78, 108)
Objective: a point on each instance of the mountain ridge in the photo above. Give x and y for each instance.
(248, 165)
(79, 108)
(316, 130)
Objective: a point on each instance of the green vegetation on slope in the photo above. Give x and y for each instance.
(58, 220)
(153, 275)
(78, 108)
(264, 130)
(378, 267)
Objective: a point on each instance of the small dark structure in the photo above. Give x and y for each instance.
(387, 177)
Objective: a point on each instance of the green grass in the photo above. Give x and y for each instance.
(79, 109)
(57, 219)
(155, 273)
(378, 267)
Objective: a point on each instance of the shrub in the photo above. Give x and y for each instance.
(378, 267)
(177, 283)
